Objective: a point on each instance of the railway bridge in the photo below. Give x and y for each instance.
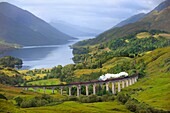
(116, 85)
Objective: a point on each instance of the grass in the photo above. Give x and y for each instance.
(143, 35)
(8, 107)
(156, 83)
(9, 71)
(163, 35)
(45, 82)
(68, 107)
(11, 92)
(114, 61)
(147, 35)
(41, 91)
(74, 107)
(155, 91)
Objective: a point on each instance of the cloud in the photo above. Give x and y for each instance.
(101, 14)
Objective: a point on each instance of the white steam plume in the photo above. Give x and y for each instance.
(108, 76)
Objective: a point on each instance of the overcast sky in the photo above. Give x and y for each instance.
(100, 14)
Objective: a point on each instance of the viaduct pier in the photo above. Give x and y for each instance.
(116, 85)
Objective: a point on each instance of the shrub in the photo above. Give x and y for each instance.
(131, 105)
(105, 98)
(26, 104)
(123, 97)
(41, 102)
(84, 99)
(3, 97)
(34, 102)
(73, 98)
(145, 108)
(93, 98)
(18, 100)
(47, 98)
(111, 98)
(90, 99)
(37, 101)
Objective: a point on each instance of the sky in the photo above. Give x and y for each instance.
(97, 14)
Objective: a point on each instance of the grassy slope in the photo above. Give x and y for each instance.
(68, 107)
(74, 107)
(45, 82)
(156, 84)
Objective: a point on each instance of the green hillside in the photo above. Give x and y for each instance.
(131, 46)
(155, 85)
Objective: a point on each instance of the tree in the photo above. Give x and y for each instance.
(9, 61)
(18, 100)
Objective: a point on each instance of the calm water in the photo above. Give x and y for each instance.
(45, 56)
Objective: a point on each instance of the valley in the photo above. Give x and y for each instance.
(64, 76)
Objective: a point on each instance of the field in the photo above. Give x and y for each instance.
(143, 35)
(74, 107)
(147, 35)
(68, 107)
(163, 35)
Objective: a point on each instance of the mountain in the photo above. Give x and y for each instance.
(132, 19)
(21, 27)
(162, 6)
(155, 20)
(74, 30)
(140, 16)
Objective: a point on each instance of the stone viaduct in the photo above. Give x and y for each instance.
(116, 83)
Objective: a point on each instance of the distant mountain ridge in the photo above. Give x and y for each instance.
(140, 16)
(74, 30)
(155, 20)
(130, 20)
(162, 5)
(21, 27)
